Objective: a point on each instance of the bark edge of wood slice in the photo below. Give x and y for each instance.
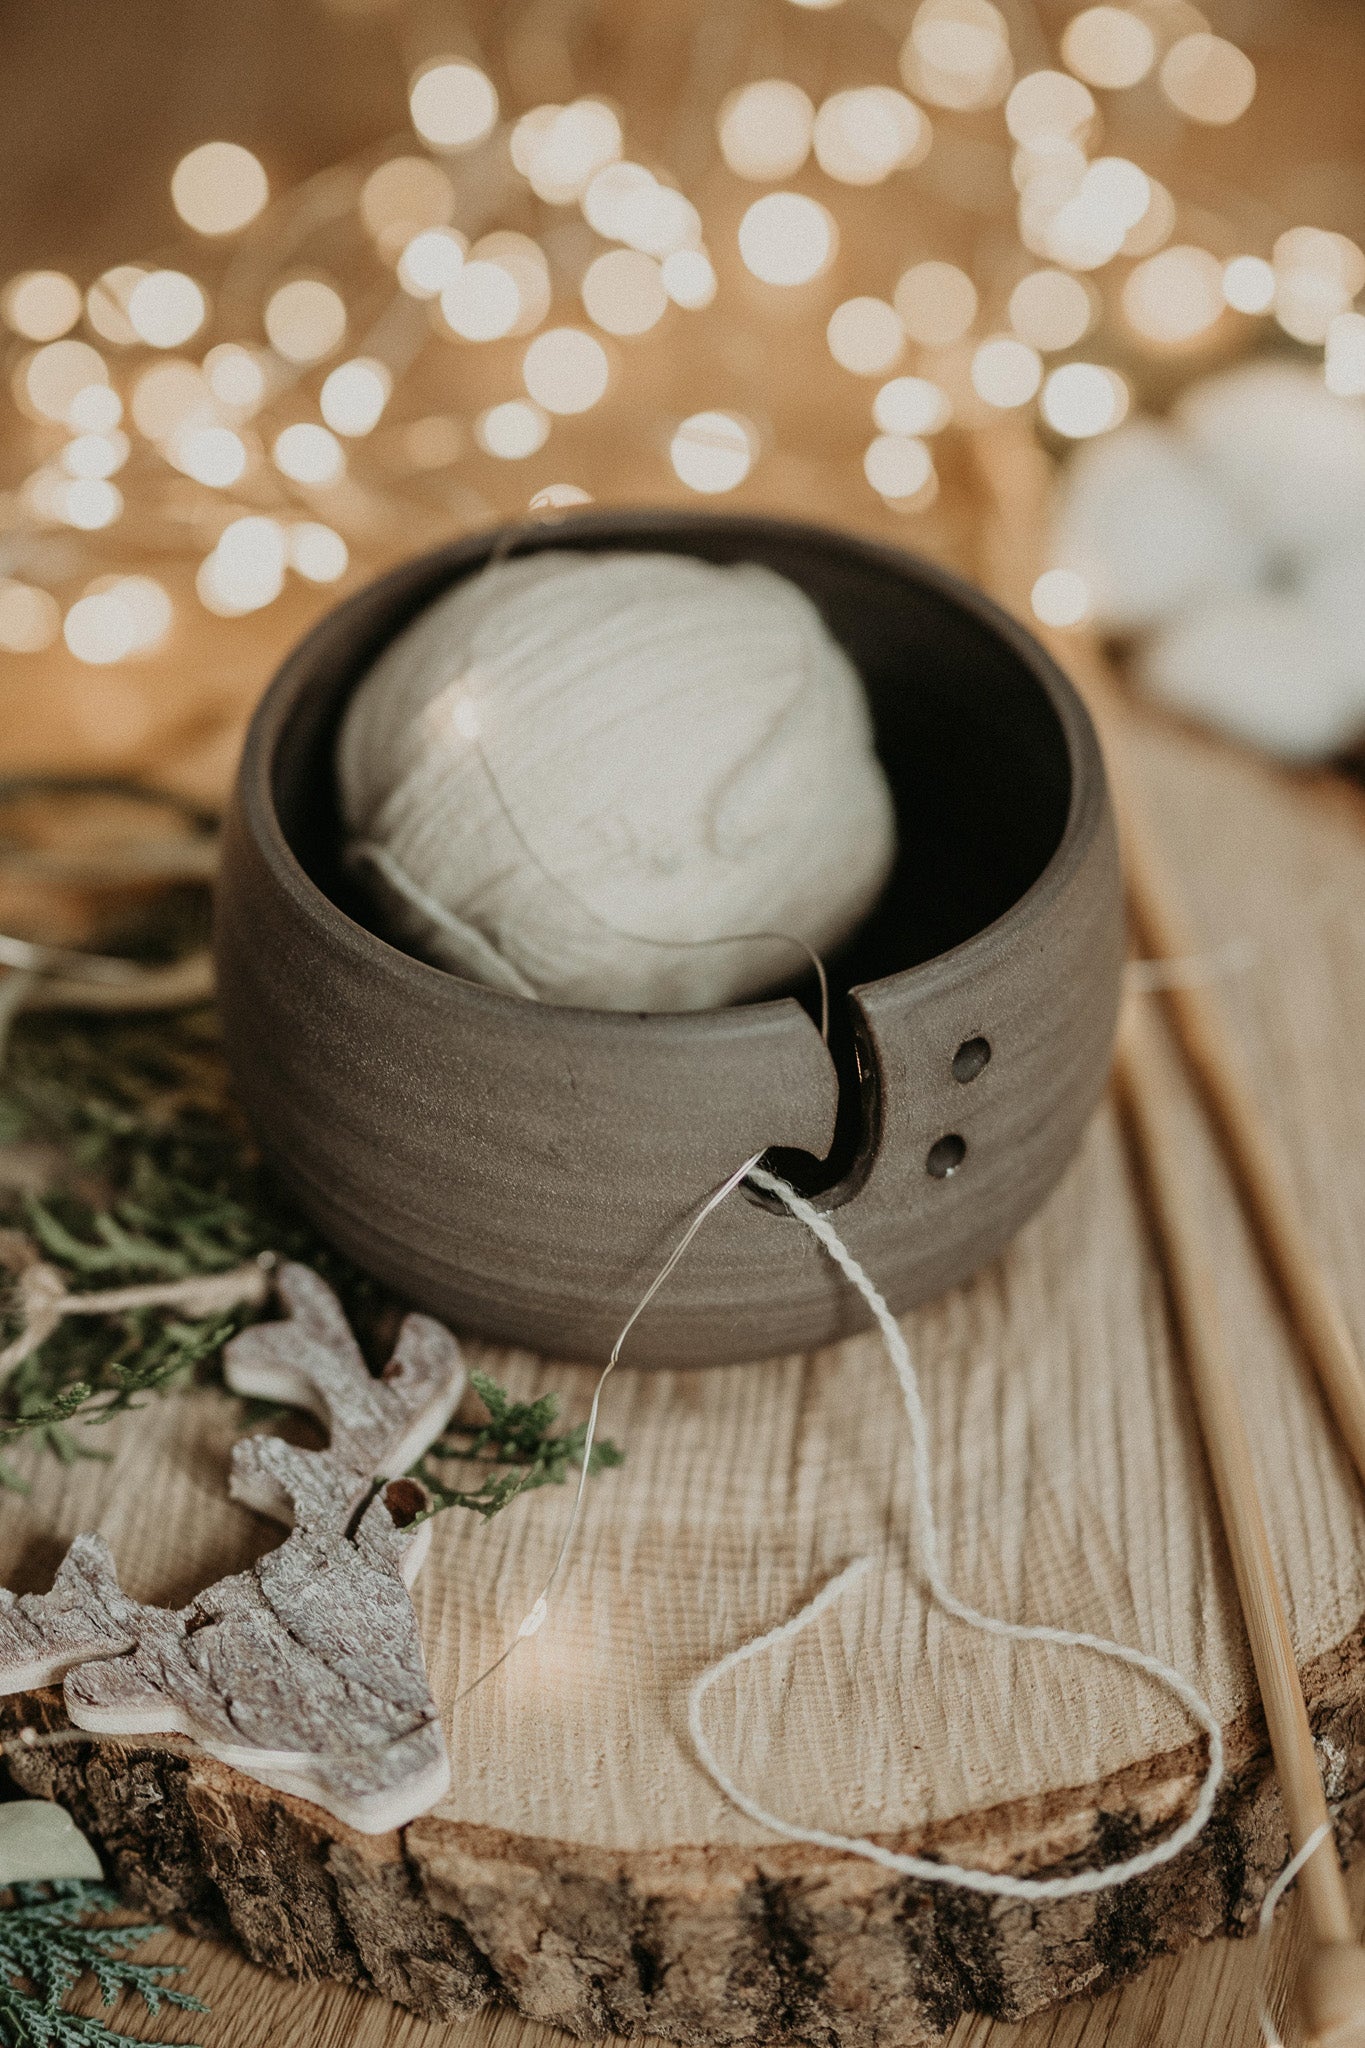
(711, 1945)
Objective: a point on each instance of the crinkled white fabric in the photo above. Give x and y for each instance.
(574, 773)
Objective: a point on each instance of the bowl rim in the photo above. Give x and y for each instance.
(255, 794)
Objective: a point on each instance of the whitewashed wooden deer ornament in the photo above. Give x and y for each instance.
(305, 1671)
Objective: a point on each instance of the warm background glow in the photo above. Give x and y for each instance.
(376, 275)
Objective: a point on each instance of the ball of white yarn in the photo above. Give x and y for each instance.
(573, 768)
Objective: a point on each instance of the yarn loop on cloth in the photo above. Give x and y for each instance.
(575, 775)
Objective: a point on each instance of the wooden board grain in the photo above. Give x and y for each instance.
(583, 1867)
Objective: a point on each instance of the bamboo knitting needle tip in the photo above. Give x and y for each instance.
(1017, 472)
(1331, 1986)
(1331, 1995)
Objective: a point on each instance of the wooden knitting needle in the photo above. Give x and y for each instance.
(1018, 475)
(1262, 1173)
(1331, 1987)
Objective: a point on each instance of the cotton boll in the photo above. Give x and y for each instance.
(1289, 452)
(1333, 593)
(1146, 529)
(571, 756)
(1332, 587)
(1237, 532)
(1265, 669)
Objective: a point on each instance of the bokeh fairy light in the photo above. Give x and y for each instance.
(431, 262)
(236, 378)
(245, 571)
(623, 292)
(787, 238)
(1175, 296)
(42, 304)
(481, 303)
(957, 55)
(165, 307)
(1109, 47)
(1061, 598)
(117, 616)
(446, 328)
(765, 130)
(911, 405)
(558, 150)
(454, 105)
(1006, 372)
(866, 336)
(1050, 310)
(937, 303)
(862, 135)
(513, 430)
(403, 197)
(1208, 79)
(305, 320)
(308, 454)
(566, 370)
(317, 552)
(1081, 400)
(219, 187)
(1249, 284)
(898, 467)
(712, 452)
(30, 619)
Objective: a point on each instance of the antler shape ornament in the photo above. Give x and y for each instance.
(305, 1671)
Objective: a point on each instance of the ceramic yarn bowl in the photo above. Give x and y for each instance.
(522, 1170)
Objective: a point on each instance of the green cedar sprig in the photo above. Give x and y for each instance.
(153, 1177)
(47, 1944)
(157, 1179)
(89, 1371)
(518, 1446)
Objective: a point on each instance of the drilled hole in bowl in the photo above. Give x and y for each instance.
(945, 1156)
(972, 1057)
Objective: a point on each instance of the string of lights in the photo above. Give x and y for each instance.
(252, 415)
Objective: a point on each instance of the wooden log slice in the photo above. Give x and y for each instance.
(583, 1868)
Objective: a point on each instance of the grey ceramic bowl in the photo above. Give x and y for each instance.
(523, 1170)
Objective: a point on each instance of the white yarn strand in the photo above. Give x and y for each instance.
(1192, 970)
(1240, 954)
(498, 973)
(531, 1622)
(988, 1883)
(1270, 2033)
(991, 1884)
